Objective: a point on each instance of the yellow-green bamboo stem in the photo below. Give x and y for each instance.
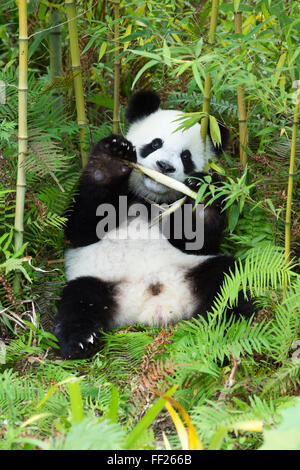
(207, 83)
(287, 251)
(213, 21)
(116, 67)
(77, 78)
(206, 107)
(243, 126)
(22, 124)
(55, 51)
(163, 179)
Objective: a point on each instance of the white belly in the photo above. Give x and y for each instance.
(149, 273)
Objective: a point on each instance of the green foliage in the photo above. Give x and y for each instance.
(287, 435)
(16, 395)
(115, 403)
(90, 434)
(286, 322)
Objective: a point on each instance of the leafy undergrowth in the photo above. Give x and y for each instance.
(235, 384)
(238, 384)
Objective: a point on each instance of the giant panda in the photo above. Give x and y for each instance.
(133, 271)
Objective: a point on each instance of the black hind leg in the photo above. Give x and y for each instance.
(206, 279)
(87, 305)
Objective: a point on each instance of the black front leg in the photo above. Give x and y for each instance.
(104, 179)
(87, 305)
(214, 216)
(200, 231)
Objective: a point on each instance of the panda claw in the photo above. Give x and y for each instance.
(81, 345)
(106, 163)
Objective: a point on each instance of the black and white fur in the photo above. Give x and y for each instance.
(123, 278)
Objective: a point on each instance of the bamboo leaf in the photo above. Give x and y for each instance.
(166, 442)
(279, 66)
(33, 419)
(218, 438)
(102, 51)
(181, 431)
(251, 425)
(127, 33)
(147, 66)
(214, 130)
(194, 442)
(113, 405)
(233, 216)
(218, 168)
(149, 55)
(76, 401)
(147, 420)
(166, 53)
(201, 193)
(197, 76)
(55, 387)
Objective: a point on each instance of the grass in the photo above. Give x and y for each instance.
(47, 403)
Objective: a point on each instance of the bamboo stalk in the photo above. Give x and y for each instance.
(163, 179)
(206, 107)
(287, 251)
(22, 124)
(77, 78)
(207, 83)
(243, 126)
(55, 50)
(116, 67)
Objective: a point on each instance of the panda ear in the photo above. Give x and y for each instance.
(142, 104)
(224, 139)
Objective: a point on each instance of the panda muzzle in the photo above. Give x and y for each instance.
(164, 167)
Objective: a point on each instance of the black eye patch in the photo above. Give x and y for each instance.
(149, 148)
(186, 158)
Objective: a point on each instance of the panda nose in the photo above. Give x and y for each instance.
(165, 167)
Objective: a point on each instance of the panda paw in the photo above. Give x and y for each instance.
(106, 162)
(195, 181)
(118, 146)
(78, 346)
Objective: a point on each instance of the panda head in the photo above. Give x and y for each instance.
(176, 154)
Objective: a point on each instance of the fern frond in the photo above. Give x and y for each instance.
(91, 434)
(284, 380)
(14, 264)
(286, 323)
(52, 220)
(210, 417)
(219, 337)
(44, 156)
(124, 351)
(16, 395)
(55, 200)
(263, 269)
(17, 348)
